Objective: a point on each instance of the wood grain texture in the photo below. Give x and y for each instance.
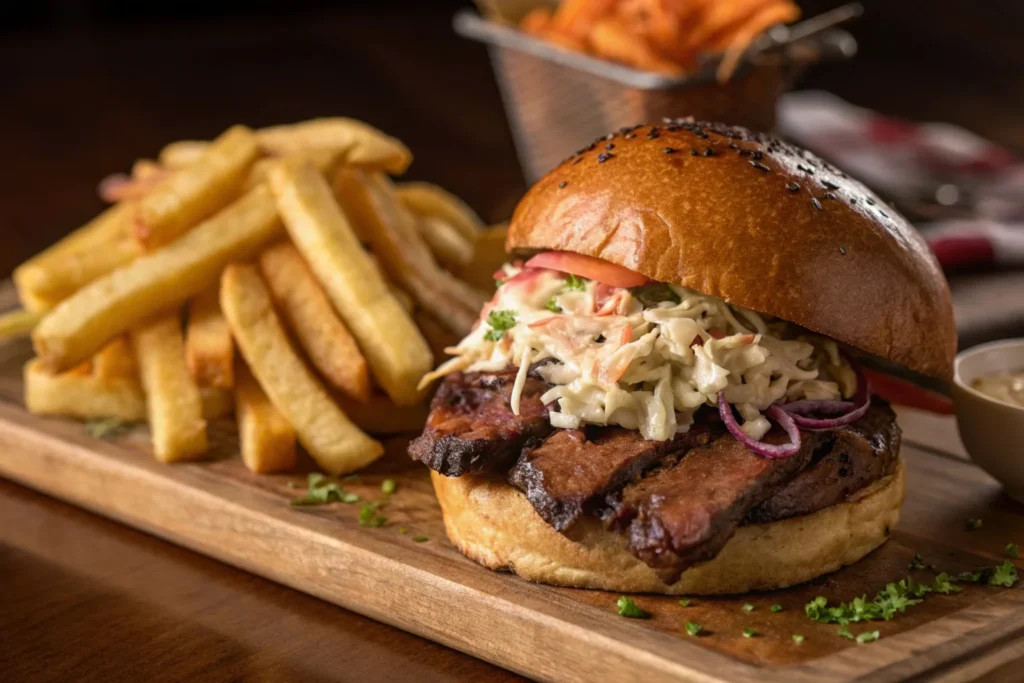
(218, 508)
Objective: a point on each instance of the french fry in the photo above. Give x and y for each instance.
(58, 272)
(302, 302)
(266, 439)
(427, 199)
(155, 282)
(380, 415)
(146, 174)
(337, 445)
(17, 323)
(216, 402)
(116, 360)
(488, 256)
(325, 161)
(362, 145)
(396, 351)
(185, 198)
(144, 169)
(182, 153)
(447, 244)
(209, 350)
(371, 201)
(174, 406)
(82, 395)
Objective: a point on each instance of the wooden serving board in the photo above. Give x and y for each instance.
(219, 509)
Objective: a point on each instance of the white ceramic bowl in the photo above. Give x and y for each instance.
(992, 431)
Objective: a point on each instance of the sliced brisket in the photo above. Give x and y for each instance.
(471, 427)
(572, 469)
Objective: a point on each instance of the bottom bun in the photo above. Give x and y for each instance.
(494, 524)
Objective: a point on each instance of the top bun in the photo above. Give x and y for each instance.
(756, 221)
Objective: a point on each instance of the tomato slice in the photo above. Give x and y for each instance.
(900, 392)
(588, 267)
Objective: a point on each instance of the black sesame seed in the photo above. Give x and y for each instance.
(793, 187)
(870, 201)
(709, 152)
(670, 150)
(805, 169)
(610, 136)
(829, 195)
(577, 160)
(884, 213)
(759, 166)
(842, 250)
(601, 158)
(694, 152)
(673, 128)
(562, 184)
(829, 185)
(590, 147)
(629, 136)
(610, 145)
(733, 145)
(653, 135)
(744, 152)
(853, 200)
(816, 203)
(757, 155)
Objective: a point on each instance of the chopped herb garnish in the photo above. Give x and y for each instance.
(402, 530)
(500, 321)
(845, 633)
(916, 563)
(1012, 550)
(553, 306)
(652, 295)
(388, 486)
(749, 633)
(797, 638)
(369, 517)
(107, 428)
(628, 608)
(868, 637)
(748, 607)
(693, 629)
(944, 584)
(420, 539)
(348, 497)
(1003, 575)
(775, 608)
(320, 491)
(972, 523)
(575, 284)
(684, 602)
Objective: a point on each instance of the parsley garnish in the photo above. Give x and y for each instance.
(369, 517)
(553, 306)
(420, 539)
(320, 491)
(500, 321)
(749, 633)
(944, 584)
(575, 284)
(1003, 575)
(1011, 550)
(775, 608)
(628, 608)
(693, 629)
(868, 637)
(388, 486)
(797, 638)
(916, 563)
(684, 602)
(844, 632)
(972, 523)
(652, 295)
(402, 530)
(748, 607)
(107, 428)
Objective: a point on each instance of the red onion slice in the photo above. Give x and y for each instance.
(845, 411)
(768, 450)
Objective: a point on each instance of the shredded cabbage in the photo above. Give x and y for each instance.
(646, 358)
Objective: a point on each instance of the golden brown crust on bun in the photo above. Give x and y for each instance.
(494, 524)
(755, 221)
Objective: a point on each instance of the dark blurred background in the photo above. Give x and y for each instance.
(89, 86)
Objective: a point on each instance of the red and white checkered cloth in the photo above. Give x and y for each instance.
(914, 161)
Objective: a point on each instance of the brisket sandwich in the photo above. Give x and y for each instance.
(662, 396)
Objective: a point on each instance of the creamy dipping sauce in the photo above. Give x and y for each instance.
(1007, 387)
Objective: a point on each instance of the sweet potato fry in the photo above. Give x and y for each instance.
(737, 43)
(209, 350)
(337, 445)
(302, 302)
(612, 40)
(83, 394)
(266, 439)
(394, 348)
(174, 406)
(196, 192)
(578, 18)
(156, 282)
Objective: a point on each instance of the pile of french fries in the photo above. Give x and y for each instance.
(666, 36)
(277, 273)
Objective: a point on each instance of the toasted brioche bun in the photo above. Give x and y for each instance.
(493, 523)
(732, 225)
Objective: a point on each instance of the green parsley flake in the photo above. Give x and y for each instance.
(775, 608)
(693, 629)
(628, 608)
(107, 428)
(748, 607)
(369, 517)
(944, 584)
(388, 486)
(1012, 550)
(320, 491)
(845, 633)
(499, 321)
(402, 530)
(797, 638)
(1003, 575)
(420, 539)
(868, 637)
(972, 523)
(916, 563)
(553, 306)
(749, 633)
(684, 602)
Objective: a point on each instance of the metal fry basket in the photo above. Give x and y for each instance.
(557, 100)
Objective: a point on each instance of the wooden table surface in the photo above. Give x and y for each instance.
(87, 599)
